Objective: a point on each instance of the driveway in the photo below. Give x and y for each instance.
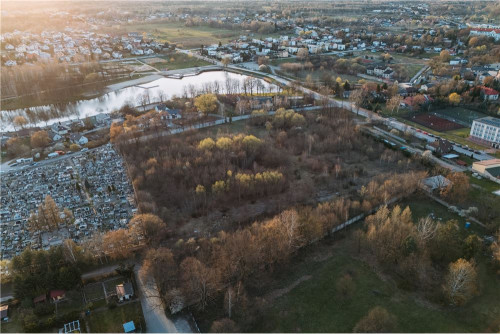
(152, 307)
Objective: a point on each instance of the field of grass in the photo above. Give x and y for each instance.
(316, 75)
(315, 306)
(461, 114)
(111, 321)
(178, 33)
(179, 61)
(14, 325)
(421, 206)
(485, 184)
(397, 58)
(93, 292)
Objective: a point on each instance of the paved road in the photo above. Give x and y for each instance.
(5, 167)
(153, 309)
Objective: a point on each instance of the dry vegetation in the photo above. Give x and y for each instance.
(237, 177)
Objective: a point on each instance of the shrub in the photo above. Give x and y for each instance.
(378, 320)
(112, 305)
(44, 309)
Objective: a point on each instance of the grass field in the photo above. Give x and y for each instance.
(111, 321)
(93, 292)
(178, 33)
(397, 58)
(315, 306)
(179, 61)
(421, 206)
(461, 114)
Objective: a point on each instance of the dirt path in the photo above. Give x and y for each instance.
(280, 292)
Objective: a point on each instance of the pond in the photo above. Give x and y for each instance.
(139, 95)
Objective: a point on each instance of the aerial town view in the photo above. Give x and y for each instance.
(250, 166)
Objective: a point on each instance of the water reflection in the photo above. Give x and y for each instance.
(219, 82)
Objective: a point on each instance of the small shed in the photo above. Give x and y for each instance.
(124, 291)
(129, 327)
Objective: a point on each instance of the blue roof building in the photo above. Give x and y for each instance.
(129, 327)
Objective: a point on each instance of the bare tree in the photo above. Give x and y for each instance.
(461, 282)
(291, 225)
(426, 229)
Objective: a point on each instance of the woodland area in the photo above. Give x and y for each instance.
(276, 162)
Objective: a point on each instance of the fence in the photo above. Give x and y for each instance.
(361, 216)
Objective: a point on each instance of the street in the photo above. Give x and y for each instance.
(153, 309)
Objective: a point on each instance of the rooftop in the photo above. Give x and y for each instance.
(491, 162)
(490, 121)
(129, 327)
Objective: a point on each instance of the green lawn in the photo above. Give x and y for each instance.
(487, 185)
(111, 321)
(93, 292)
(421, 206)
(467, 159)
(315, 306)
(461, 114)
(179, 61)
(178, 33)
(15, 323)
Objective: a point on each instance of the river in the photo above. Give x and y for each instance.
(137, 95)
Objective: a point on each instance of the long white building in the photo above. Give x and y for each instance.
(488, 32)
(486, 130)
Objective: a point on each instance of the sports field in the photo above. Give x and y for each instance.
(460, 115)
(434, 122)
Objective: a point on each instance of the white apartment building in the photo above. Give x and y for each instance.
(486, 130)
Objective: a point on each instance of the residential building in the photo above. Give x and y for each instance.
(124, 291)
(442, 146)
(486, 130)
(488, 32)
(56, 295)
(78, 138)
(489, 94)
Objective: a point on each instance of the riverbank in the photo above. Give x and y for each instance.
(172, 74)
(133, 82)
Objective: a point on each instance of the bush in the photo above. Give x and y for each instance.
(43, 309)
(112, 304)
(30, 323)
(64, 318)
(50, 322)
(378, 320)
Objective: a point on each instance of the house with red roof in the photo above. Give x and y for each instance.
(56, 295)
(488, 32)
(416, 102)
(489, 94)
